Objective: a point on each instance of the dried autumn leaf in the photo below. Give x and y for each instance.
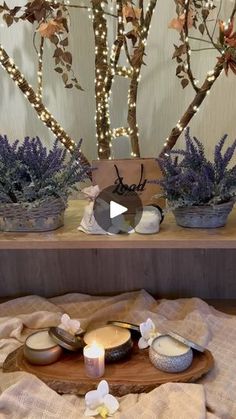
(77, 85)
(133, 36)
(226, 29)
(184, 83)
(58, 70)
(131, 13)
(58, 52)
(231, 41)
(179, 50)
(59, 14)
(8, 19)
(65, 77)
(137, 58)
(47, 29)
(64, 42)
(57, 60)
(36, 10)
(67, 57)
(54, 39)
(64, 23)
(205, 13)
(201, 28)
(15, 10)
(179, 69)
(228, 62)
(178, 23)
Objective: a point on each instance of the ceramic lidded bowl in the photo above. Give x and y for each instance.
(169, 355)
(41, 349)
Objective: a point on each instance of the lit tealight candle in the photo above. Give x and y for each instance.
(94, 360)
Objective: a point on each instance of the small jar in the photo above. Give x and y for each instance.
(149, 220)
(41, 349)
(169, 355)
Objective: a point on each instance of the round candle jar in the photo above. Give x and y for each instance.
(41, 349)
(169, 355)
(115, 340)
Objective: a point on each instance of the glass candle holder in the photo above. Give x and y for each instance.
(94, 360)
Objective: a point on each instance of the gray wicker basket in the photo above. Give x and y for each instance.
(205, 216)
(47, 215)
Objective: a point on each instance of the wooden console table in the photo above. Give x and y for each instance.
(177, 262)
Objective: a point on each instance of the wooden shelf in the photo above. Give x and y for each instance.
(177, 262)
(170, 237)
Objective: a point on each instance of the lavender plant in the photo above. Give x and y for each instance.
(29, 173)
(189, 178)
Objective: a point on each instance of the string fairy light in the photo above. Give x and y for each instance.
(201, 92)
(40, 70)
(43, 113)
(105, 71)
(102, 115)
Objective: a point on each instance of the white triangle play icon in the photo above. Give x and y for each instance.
(116, 209)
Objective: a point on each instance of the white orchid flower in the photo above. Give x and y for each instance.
(100, 402)
(148, 332)
(69, 325)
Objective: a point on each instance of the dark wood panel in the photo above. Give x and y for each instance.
(169, 273)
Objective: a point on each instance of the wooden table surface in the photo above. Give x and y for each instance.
(171, 236)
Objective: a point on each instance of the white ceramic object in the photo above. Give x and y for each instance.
(150, 220)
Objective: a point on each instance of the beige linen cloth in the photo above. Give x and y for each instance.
(214, 396)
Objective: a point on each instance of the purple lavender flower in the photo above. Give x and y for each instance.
(29, 172)
(192, 179)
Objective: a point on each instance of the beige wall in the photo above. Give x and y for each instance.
(161, 99)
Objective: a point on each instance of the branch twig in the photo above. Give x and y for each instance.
(40, 69)
(192, 109)
(43, 113)
(137, 61)
(76, 6)
(103, 131)
(188, 49)
(199, 39)
(217, 17)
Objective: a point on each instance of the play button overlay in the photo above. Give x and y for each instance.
(117, 213)
(116, 209)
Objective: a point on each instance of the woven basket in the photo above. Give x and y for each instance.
(205, 216)
(47, 215)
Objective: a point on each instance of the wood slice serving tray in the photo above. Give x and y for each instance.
(135, 374)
